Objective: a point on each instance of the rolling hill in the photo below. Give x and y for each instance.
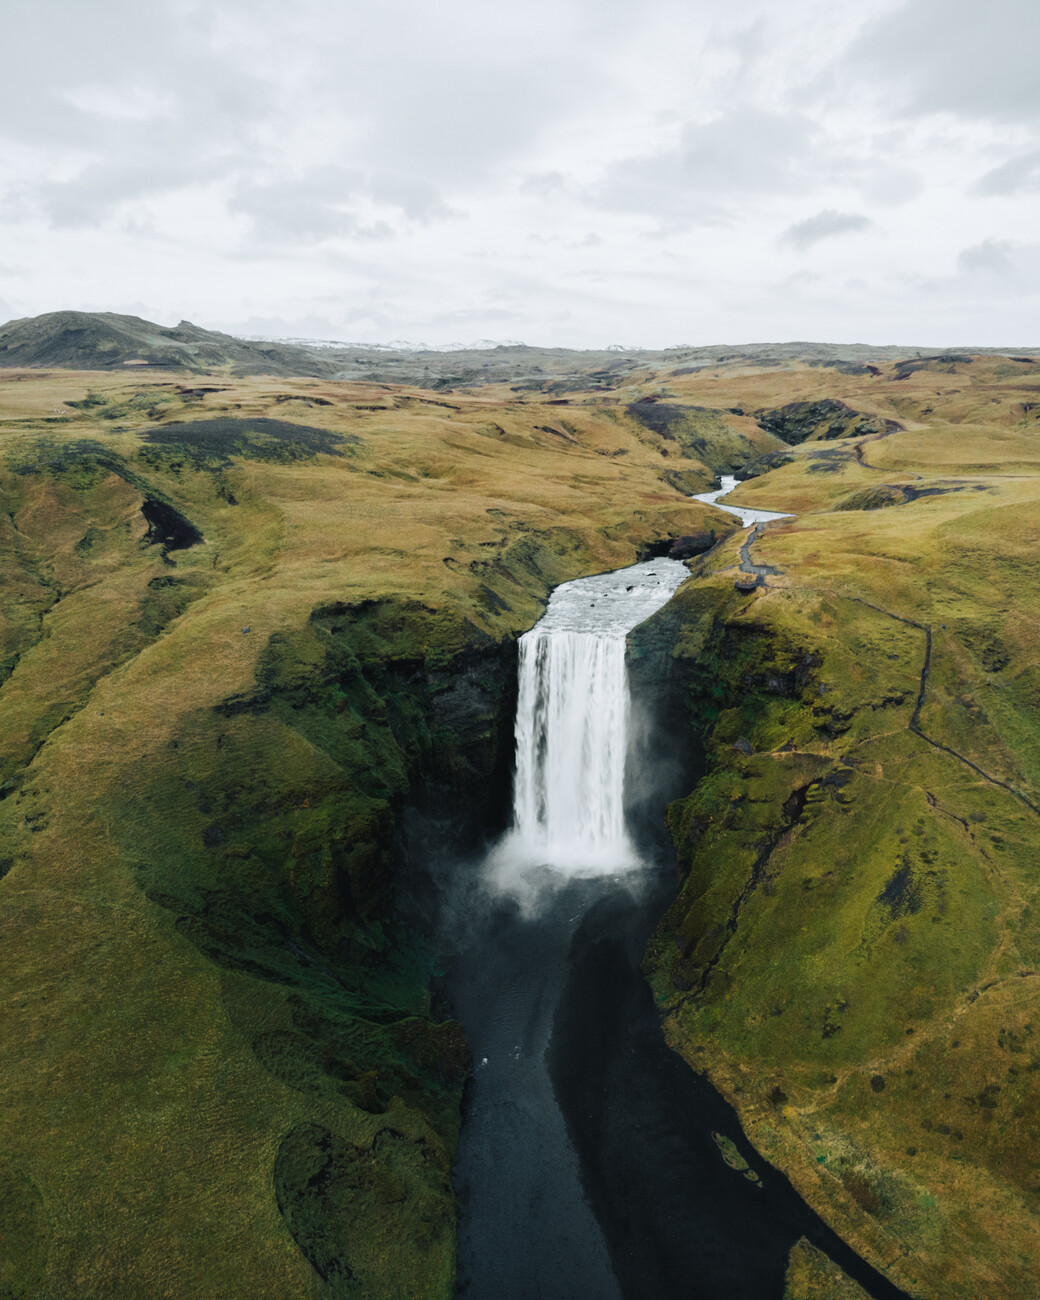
(254, 627)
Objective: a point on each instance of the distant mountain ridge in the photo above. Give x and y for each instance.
(77, 340)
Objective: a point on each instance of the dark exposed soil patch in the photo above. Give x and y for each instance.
(168, 527)
(901, 894)
(829, 460)
(846, 367)
(335, 1195)
(205, 442)
(697, 432)
(662, 418)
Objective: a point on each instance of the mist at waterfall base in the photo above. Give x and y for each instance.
(588, 1163)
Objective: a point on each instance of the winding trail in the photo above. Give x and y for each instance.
(857, 451)
(747, 565)
(915, 718)
(761, 571)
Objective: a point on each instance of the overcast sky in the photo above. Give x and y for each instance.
(575, 172)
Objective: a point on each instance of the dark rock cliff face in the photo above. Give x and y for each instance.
(461, 795)
(760, 465)
(421, 737)
(827, 418)
(462, 791)
(666, 757)
(680, 548)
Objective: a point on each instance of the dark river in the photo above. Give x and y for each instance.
(588, 1165)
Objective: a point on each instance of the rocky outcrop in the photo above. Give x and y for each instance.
(898, 494)
(762, 465)
(822, 420)
(681, 548)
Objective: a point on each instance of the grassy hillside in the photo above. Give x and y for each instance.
(236, 617)
(79, 340)
(853, 952)
(245, 621)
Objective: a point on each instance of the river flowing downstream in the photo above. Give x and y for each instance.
(747, 516)
(591, 1160)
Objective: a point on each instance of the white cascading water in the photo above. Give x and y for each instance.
(572, 727)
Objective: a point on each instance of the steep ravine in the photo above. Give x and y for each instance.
(621, 1172)
(340, 947)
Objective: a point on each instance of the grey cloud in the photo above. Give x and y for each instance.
(323, 203)
(1002, 271)
(741, 153)
(313, 207)
(824, 225)
(89, 198)
(750, 43)
(886, 183)
(128, 102)
(414, 108)
(125, 50)
(803, 279)
(955, 56)
(993, 257)
(545, 185)
(1013, 176)
(455, 121)
(446, 92)
(418, 198)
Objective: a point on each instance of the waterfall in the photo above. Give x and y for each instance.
(572, 727)
(571, 740)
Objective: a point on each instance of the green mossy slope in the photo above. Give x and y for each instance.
(853, 949)
(235, 648)
(245, 623)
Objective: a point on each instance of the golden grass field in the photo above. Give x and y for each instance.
(180, 764)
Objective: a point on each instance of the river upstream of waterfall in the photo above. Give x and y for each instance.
(593, 1163)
